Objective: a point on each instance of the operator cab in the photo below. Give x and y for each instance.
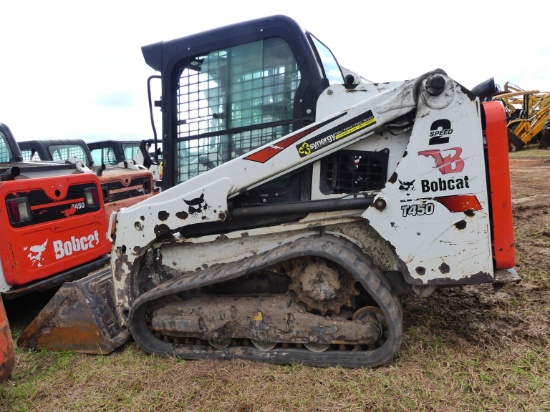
(113, 152)
(230, 90)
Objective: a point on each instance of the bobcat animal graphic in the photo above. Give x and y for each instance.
(35, 255)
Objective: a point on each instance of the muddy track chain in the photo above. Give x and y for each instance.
(341, 251)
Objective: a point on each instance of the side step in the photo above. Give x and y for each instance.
(80, 317)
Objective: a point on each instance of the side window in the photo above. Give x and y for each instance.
(109, 156)
(231, 101)
(26, 153)
(103, 155)
(5, 152)
(96, 156)
(130, 150)
(328, 61)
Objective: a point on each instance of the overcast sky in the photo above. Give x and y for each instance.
(74, 69)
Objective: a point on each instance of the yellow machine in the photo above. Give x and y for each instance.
(526, 110)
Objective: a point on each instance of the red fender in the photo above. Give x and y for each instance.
(504, 250)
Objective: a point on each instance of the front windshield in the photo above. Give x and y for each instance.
(233, 100)
(104, 156)
(330, 66)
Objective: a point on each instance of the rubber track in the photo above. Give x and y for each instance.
(341, 251)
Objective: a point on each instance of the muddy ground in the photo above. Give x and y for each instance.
(531, 206)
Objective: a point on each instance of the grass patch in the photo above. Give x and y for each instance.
(530, 150)
(437, 369)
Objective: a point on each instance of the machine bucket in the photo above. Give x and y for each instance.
(514, 142)
(80, 317)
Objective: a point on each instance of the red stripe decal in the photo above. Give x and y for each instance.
(459, 203)
(263, 155)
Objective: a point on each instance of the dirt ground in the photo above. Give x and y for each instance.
(531, 206)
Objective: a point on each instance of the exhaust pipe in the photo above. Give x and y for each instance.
(485, 89)
(11, 173)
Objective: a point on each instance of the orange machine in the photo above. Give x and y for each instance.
(54, 229)
(52, 224)
(122, 184)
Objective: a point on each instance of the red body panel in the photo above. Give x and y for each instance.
(77, 235)
(126, 188)
(504, 252)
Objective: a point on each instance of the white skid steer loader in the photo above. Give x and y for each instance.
(299, 202)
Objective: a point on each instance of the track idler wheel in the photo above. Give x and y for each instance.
(374, 315)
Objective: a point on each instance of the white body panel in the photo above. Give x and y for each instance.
(436, 244)
(231, 247)
(422, 230)
(433, 241)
